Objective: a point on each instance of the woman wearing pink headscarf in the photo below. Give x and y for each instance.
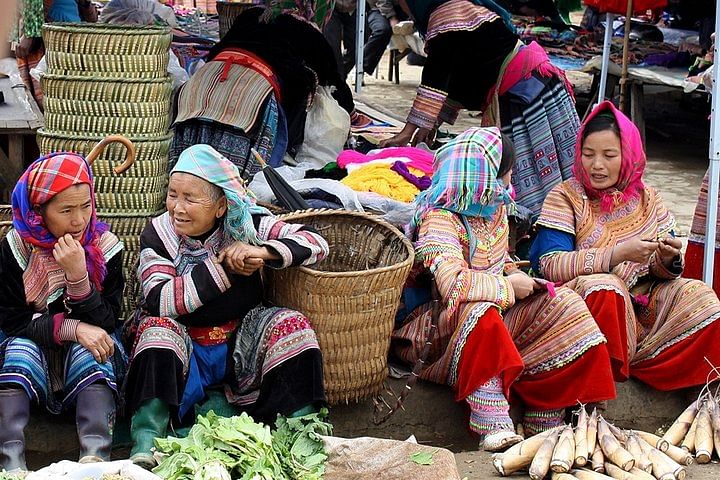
(609, 237)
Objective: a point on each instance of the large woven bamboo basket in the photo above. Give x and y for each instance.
(135, 126)
(103, 95)
(106, 39)
(151, 153)
(351, 297)
(5, 220)
(229, 11)
(99, 65)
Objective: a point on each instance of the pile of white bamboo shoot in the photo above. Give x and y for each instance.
(596, 449)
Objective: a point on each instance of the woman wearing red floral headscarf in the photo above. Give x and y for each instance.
(611, 239)
(59, 305)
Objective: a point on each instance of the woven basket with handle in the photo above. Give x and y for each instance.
(151, 153)
(350, 298)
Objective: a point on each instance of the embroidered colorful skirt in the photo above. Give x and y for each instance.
(52, 377)
(663, 344)
(543, 131)
(271, 364)
(541, 344)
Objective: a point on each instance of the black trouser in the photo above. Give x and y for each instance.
(340, 30)
(380, 34)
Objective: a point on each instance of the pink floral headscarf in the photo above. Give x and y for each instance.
(630, 183)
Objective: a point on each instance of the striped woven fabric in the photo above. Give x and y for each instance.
(458, 15)
(676, 308)
(236, 101)
(568, 209)
(548, 332)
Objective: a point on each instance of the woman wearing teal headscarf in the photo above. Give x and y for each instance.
(475, 61)
(201, 324)
(501, 334)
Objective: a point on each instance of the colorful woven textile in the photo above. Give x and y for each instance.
(465, 179)
(44, 178)
(53, 380)
(423, 10)
(474, 342)
(236, 100)
(543, 133)
(489, 409)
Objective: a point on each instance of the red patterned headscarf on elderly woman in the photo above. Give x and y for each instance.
(629, 184)
(42, 181)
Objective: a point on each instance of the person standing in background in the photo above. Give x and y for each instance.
(27, 41)
(382, 17)
(340, 32)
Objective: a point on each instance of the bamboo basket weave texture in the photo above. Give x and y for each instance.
(106, 39)
(350, 298)
(102, 90)
(95, 65)
(151, 153)
(5, 220)
(149, 127)
(229, 11)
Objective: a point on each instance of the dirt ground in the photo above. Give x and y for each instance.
(677, 147)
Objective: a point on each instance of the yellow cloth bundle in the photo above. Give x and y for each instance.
(379, 178)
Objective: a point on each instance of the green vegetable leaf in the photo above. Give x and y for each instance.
(423, 458)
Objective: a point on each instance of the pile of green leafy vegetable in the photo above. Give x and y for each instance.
(237, 447)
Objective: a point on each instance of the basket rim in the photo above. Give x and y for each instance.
(109, 28)
(87, 79)
(313, 212)
(67, 136)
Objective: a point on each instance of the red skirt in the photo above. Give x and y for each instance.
(490, 351)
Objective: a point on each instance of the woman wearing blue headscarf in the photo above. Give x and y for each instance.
(201, 324)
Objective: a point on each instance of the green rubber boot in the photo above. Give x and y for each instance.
(149, 422)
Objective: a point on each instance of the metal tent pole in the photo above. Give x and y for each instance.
(359, 45)
(625, 57)
(714, 169)
(609, 19)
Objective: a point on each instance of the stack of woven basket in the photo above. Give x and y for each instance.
(112, 79)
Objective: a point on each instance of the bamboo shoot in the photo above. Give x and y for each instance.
(583, 474)
(703, 436)
(611, 447)
(641, 461)
(653, 440)
(681, 426)
(688, 443)
(714, 411)
(581, 450)
(563, 455)
(592, 433)
(617, 473)
(520, 455)
(540, 465)
(679, 455)
(665, 468)
(642, 474)
(563, 476)
(597, 461)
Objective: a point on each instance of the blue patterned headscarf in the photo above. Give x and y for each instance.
(465, 178)
(205, 162)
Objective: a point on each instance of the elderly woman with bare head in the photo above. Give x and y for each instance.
(201, 323)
